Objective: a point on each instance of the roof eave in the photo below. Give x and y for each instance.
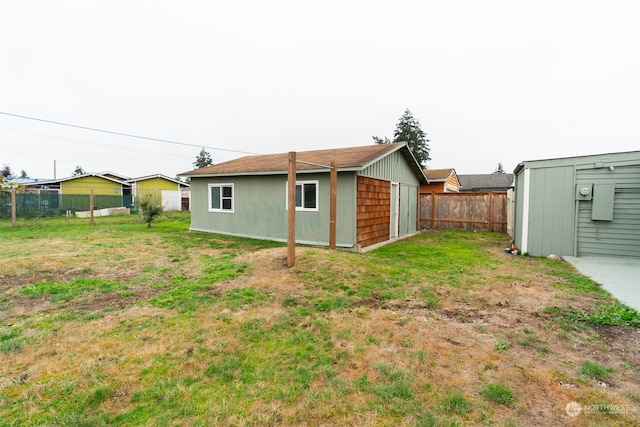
(265, 173)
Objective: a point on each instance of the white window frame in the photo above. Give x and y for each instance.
(233, 196)
(302, 208)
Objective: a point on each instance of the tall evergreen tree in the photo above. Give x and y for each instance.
(499, 169)
(203, 159)
(6, 171)
(408, 130)
(78, 171)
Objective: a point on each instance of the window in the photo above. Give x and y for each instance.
(221, 198)
(306, 195)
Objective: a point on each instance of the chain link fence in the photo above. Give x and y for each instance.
(53, 204)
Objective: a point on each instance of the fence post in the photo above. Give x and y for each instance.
(433, 210)
(13, 207)
(91, 207)
(490, 225)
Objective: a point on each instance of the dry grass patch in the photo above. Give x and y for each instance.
(177, 328)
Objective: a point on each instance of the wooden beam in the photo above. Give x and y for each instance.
(333, 184)
(13, 207)
(465, 221)
(433, 210)
(291, 211)
(490, 211)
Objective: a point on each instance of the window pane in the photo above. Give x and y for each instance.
(215, 197)
(298, 195)
(226, 191)
(226, 204)
(310, 196)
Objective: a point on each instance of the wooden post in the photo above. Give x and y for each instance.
(433, 210)
(13, 207)
(490, 225)
(291, 211)
(333, 184)
(91, 204)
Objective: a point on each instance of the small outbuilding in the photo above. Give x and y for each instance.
(579, 206)
(166, 191)
(441, 181)
(376, 192)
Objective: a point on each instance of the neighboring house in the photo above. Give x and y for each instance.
(377, 192)
(579, 206)
(82, 184)
(441, 181)
(487, 182)
(73, 192)
(165, 190)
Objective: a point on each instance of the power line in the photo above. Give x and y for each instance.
(84, 141)
(123, 134)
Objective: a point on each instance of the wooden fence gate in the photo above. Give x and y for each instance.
(481, 211)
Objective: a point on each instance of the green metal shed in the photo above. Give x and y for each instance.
(377, 195)
(579, 206)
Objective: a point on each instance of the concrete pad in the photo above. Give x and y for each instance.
(619, 276)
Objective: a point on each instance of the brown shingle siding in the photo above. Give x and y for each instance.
(373, 210)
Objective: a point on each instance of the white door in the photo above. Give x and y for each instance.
(395, 217)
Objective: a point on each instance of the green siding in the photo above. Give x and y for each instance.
(260, 209)
(260, 204)
(408, 213)
(621, 236)
(518, 209)
(551, 211)
(559, 221)
(394, 168)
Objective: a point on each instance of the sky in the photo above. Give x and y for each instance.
(490, 81)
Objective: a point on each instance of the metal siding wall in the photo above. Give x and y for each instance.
(552, 211)
(408, 209)
(394, 168)
(519, 196)
(260, 209)
(620, 237)
(85, 184)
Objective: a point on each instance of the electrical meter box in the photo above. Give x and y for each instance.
(584, 191)
(602, 205)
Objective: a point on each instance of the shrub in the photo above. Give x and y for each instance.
(150, 210)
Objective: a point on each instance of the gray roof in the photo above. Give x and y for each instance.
(494, 181)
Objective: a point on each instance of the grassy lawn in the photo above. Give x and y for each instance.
(118, 324)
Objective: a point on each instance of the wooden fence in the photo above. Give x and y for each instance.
(481, 211)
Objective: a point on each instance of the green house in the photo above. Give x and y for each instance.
(376, 192)
(73, 193)
(579, 206)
